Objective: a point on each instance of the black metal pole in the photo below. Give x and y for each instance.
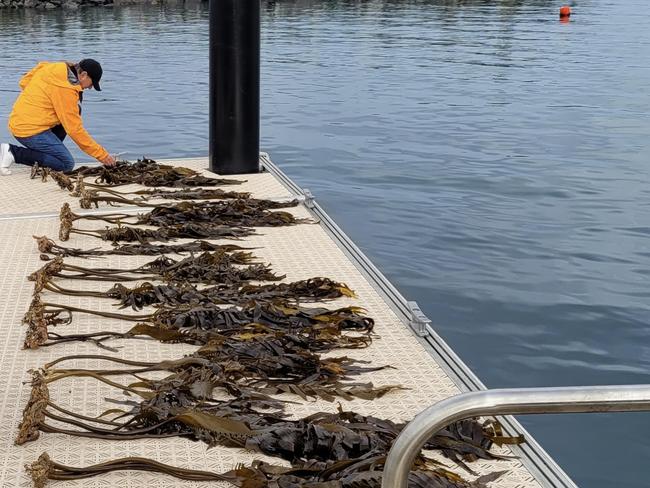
(234, 86)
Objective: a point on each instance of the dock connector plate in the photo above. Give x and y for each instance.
(308, 198)
(419, 322)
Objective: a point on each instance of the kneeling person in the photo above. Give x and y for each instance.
(48, 109)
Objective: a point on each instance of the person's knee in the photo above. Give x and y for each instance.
(60, 163)
(67, 166)
(66, 161)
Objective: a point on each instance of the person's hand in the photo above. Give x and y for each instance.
(108, 161)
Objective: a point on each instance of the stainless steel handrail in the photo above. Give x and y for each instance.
(577, 399)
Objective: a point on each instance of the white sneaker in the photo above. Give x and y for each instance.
(6, 159)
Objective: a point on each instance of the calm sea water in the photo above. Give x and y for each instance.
(490, 159)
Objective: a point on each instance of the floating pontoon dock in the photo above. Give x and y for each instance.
(422, 362)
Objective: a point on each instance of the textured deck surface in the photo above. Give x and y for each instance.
(301, 251)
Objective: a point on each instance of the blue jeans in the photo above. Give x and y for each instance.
(46, 149)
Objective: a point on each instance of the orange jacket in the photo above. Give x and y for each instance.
(49, 99)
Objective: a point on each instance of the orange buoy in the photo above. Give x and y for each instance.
(565, 11)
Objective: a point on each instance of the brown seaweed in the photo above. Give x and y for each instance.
(61, 179)
(190, 230)
(247, 371)
(217, 267)
(169, 407)
(148, 172)
(200, 324)
(48, 246)
(267, 345)
(93, 197)
(181, 405)
(270, 362)
(245, 213)
(147, 294)
(363, 473)
(45, 469)
(171, 404)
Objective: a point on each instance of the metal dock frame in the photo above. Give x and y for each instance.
(540, 464)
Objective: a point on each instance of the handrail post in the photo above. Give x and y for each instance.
(578, 399)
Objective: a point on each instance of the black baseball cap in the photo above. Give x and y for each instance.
(94, 70)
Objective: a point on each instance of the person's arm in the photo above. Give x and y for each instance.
(65, 105)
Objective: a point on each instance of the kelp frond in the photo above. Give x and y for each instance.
(48, 246)
(190, 230)
(148, 172)
(147, 294)
(216, 267)
(242, 212)
(45, 469)
(363, 473)
(269, 363)
(92, 198)
(174, 408)
(345, 327)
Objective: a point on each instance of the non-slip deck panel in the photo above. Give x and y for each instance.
(300, 252)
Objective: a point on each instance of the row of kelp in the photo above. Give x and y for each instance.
(259, 342)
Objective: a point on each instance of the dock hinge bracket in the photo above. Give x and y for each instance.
(309, 199)
(419, 322)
